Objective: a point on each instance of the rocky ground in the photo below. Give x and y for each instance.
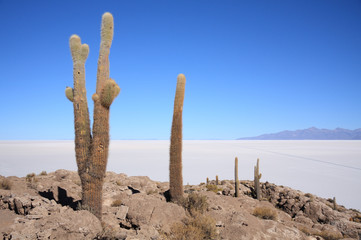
(48, 206)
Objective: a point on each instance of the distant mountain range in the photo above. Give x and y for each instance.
(311, 134)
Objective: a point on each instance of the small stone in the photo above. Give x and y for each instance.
(34, 217)
(122, 212)
(219, 224)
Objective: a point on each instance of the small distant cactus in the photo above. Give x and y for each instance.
(91, 148)
(207, 181)
(175, 159)
(257, 177)
(217, 181)
(236, 180)
(334, 203)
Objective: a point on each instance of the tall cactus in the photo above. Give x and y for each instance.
(236, 180)
(92, 148)
(175, 161)
(257, 177)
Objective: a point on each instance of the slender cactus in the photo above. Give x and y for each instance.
(207, 181)
(236, 180)
(217, 182)
(257, 177)
(92, 148)
(334, 203)
(175, 160)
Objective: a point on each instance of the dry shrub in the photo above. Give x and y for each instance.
(109, 233)
(31, 180)
(309, 195)
(150, 192)
(306, 230)
(43, 173)
(324, 234)
(213, 188)
(199, 227)
(30, 177)
(5, 184)
(116, 203)
(223, 182)
(195, 203)
(265, 213)
(329, 235)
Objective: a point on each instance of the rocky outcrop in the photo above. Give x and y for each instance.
(49, 207)
(41, 218)
(312, 211)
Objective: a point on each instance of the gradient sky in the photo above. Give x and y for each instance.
(252, 67)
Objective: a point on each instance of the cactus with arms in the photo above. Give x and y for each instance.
(175, 161)
(257, 177)
(92, 148)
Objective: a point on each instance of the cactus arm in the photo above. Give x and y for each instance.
(101, 113)
(109, 93)
(79, 54)
(95, 97)
(105, 44)
(175, 162)
(69, 93)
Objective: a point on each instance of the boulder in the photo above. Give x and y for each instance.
(68, 224)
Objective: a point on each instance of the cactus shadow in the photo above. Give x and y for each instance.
(63, 198)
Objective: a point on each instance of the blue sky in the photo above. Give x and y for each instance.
(252, 67)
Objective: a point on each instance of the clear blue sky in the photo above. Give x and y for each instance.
(252, 67)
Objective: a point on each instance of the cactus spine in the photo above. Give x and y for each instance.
(236, 180)
(92, 148)
(175, 161)
(257, 177)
